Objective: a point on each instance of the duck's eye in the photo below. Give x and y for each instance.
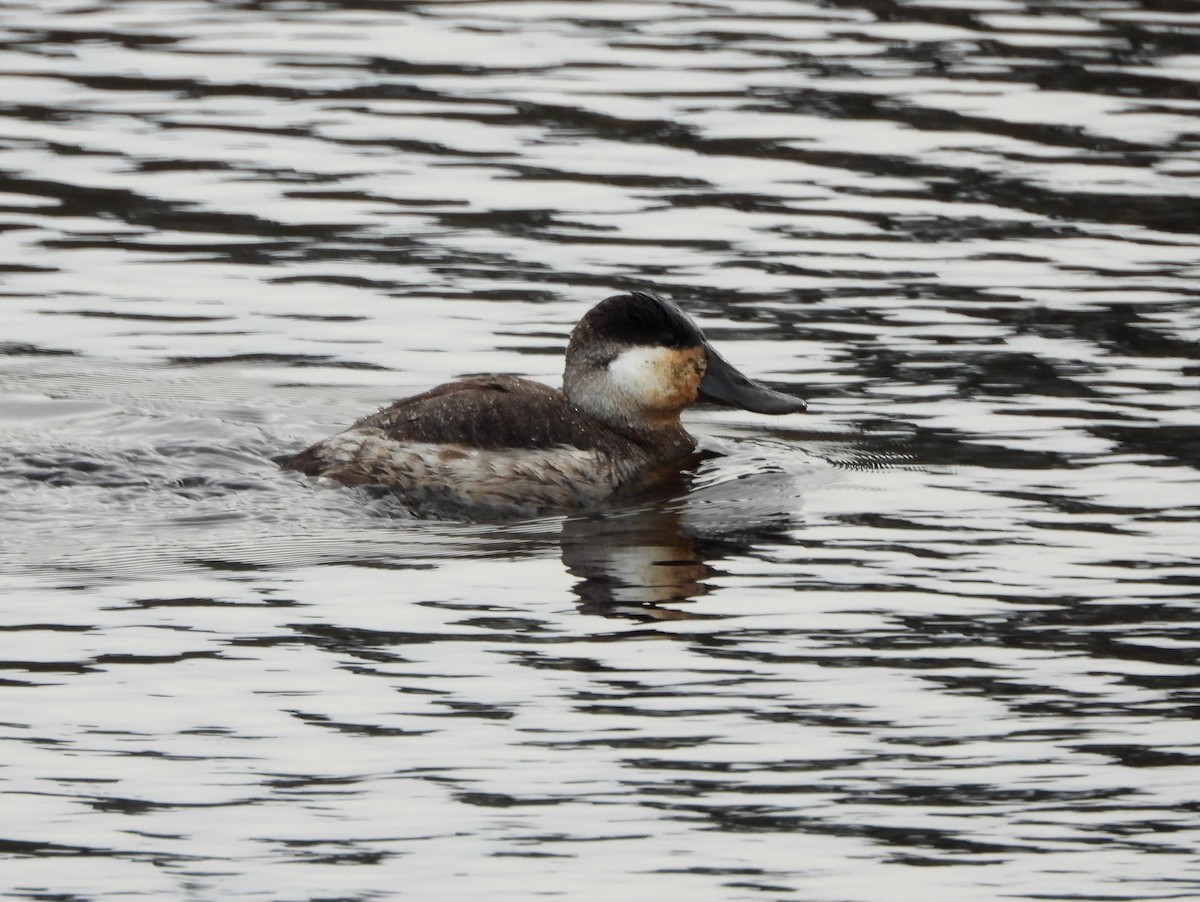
(669, 340)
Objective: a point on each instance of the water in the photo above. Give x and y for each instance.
(936, 636)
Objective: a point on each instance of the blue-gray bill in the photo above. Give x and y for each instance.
(724, 384)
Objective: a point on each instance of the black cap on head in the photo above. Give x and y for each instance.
(638, 318)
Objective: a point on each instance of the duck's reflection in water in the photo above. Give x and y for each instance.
(644, 563)
(633, 565)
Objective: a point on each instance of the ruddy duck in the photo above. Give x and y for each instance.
(500, 446)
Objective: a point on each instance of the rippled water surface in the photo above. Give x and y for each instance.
(937, 636)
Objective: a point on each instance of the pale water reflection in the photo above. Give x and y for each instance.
(938, 636)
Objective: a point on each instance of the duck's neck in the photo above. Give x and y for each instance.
(592, 391)
(663, 438)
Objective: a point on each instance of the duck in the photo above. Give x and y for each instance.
(502, 447)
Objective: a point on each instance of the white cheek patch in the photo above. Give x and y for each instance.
(641, 373)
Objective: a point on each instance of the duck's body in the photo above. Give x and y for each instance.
(502, 446)
(492, 446)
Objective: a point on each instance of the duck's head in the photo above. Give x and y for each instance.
(636, 361)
